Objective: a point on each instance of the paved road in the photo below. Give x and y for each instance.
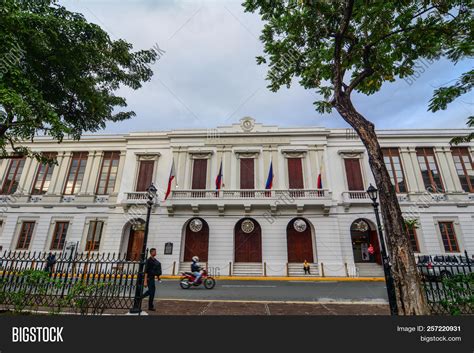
(278, 291)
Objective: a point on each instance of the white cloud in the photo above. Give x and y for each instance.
(208, 75)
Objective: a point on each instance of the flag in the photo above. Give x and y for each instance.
(219, 178)
(170, 180)
(320, 180)
(269, 183)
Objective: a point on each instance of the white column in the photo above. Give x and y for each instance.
(448, 169)
(94, 176)
(409, 169)
(420, 186)
(87, 172)
(25, 177)
(120, 169)
(181, 169)
(4, 163)
(313, 168)
(227, 168)
(60, 173)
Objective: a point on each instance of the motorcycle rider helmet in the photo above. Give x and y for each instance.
(195, 259)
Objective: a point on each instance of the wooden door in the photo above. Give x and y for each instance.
(145, 175)
(199, 174)
(295, 173)
(300, 245)
(354, 174)
(135, 244)
(247, 176)
(374, 240)
(197, 244)
(248, 246)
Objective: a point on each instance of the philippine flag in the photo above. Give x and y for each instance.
(269, 183)
(219, 178)
(170, 180)
(320, 180)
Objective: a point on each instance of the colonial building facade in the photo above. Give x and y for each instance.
(316, 209)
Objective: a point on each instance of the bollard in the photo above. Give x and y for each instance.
(322, 269)
(174, 268)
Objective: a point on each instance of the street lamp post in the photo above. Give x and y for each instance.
(137, 302)
(392, 299)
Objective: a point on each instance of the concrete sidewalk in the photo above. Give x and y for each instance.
(213, 307)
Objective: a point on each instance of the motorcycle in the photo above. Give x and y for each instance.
(187, 280)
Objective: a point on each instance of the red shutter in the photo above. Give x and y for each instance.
(354, 175)
(295, 173)
(199, 174)
(145, 175)
(247, 179)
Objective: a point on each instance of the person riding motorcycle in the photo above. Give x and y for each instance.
(196, 269)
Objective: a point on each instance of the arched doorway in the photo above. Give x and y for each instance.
(196, 240)
(248, 241)
(299, 241)
(135, 239)
(364, 234)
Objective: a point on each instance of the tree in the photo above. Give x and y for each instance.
(338, 47)
(445, 95)
(58, 74)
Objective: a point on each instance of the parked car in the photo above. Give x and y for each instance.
(437, 267)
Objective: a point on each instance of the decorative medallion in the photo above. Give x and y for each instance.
(137, 225)
(299, 225)
(247, 124)
(247, 226)
(195, 225)
(360, 226)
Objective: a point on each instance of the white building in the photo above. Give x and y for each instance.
(95, 196)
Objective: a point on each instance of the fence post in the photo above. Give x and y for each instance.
(468, 260)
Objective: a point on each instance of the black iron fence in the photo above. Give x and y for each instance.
(80, 282)
(448, 282)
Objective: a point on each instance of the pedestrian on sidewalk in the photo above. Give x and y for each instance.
(152, 270)
(50, 262)
(306, 267)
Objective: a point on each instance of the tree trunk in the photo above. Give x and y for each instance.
(411, 298)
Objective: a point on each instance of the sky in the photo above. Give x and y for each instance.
(207, 75)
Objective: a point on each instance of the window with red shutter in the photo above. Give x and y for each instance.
(247, 176)
(26, 233)
(354, 174)
(12, 177)
(145, 175)
(295, 173)
(429, 169)
(448, 235)
(464, 167)
(199, 174)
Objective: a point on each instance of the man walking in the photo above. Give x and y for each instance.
(152, 270)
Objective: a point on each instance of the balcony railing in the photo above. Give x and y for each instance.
(356, 195)
(136, 196)
(250, 194)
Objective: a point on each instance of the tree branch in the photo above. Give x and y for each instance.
(337, 75)
(368, 70)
